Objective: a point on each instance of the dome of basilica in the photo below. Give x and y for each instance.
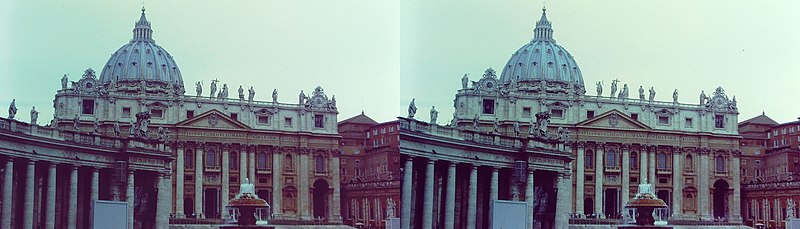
(542, 60)
(142, 60)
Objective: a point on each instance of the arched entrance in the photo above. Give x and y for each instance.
(320, 198)
(721, 199)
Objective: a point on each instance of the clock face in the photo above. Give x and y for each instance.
(489, 85)
(89, 85)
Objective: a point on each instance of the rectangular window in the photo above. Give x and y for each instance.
(589, 178)
(634, 180)
(88, 106)
(287, 122)
(526, 112)
(663, 120)
(126, 112)
(189, 114)
(233, 162)
(488, 106)
(635, 116)
(589, 114)
(663, 180)
(557, 113)
(157, 113)
(689, 123)
(319, 121)
(719, 121)
(263, 120)
(235, 116)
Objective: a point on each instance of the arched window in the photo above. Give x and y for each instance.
(262, 160)
(720, 163)
(662, 161)
(611, 158)
(588, 159)
(233, 161)
(320, 163)
(189, 159)
(634, 160)
(211, 158)
(689, 165)
(288, 164)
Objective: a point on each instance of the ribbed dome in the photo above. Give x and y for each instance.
(141, 59)
(542, 59)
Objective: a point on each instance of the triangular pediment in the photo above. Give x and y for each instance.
(213, 119)
(613, 119)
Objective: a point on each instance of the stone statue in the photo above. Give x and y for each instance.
(542, 120)
(96, 126)
(64, 81)
(250, 94)
(675, 96)
(614, 87)
(213, 87)
(390, 206)
(76, 121)
(790, 206)
(496, 125)
(34, 115)
(142, 120)
(733, 103)
(12, 109)
(412, 109)
(464, 81)
(434, 115)
(163, 134)
(301, 99)
(703, 97)
(224, 91)
(563, 134)
(599, 88)
(132, 129)
(275, 95)
(516, 129)
(116, 129)
(332, 104)
(624, 93)
(641, 93)
(199, 88)
(241, 93)
(652, 94)
(475, 122)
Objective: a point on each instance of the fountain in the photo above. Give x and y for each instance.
(244, 208)
(643, 205)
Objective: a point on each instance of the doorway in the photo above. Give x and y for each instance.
(611, 203)
(320, 199)
(720, 199)
(211, 203)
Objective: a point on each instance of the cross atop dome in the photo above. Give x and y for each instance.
(142, 30)
(543, 30)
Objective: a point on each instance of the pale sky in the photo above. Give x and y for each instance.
(750, 48)
(350, 48)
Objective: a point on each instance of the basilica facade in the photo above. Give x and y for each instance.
(288, 150)
(613, 142)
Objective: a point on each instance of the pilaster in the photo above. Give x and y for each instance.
(598, 180)
(198, 180)
(579, 178)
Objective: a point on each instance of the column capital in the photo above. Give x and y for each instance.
(494, 168)
(580, 144)
(703, 151)
(180, 144)
(531, 171)
(31, 161)
(431, 161)
(677, 150)
(10, 159)
(600, 145)
(226, 146)
(451, 164)
(626, 146)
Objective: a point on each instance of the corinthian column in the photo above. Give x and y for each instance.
(50, 216)
(405, 216)
(652, 164)
(243, 163)
(450, 206)
(579, 179)
(427, 204)
(225, 178)
(8, 178)
(626, 174)
(251, 165)
(277, 184)
(702, 187)
(72, 212)
(677, 183)
(598, 181)
(335, 209)
(162, 206)
(179, 182)
(493, 193)
(27, 222)
(473, 197)
(303, 191)
(198, 181)
(735, 212)
(563, 201)
(529, 199)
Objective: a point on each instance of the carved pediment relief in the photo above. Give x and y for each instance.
(213, 119)
(613, 119)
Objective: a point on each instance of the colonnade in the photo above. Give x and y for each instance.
(465, 207)
(39, 191)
